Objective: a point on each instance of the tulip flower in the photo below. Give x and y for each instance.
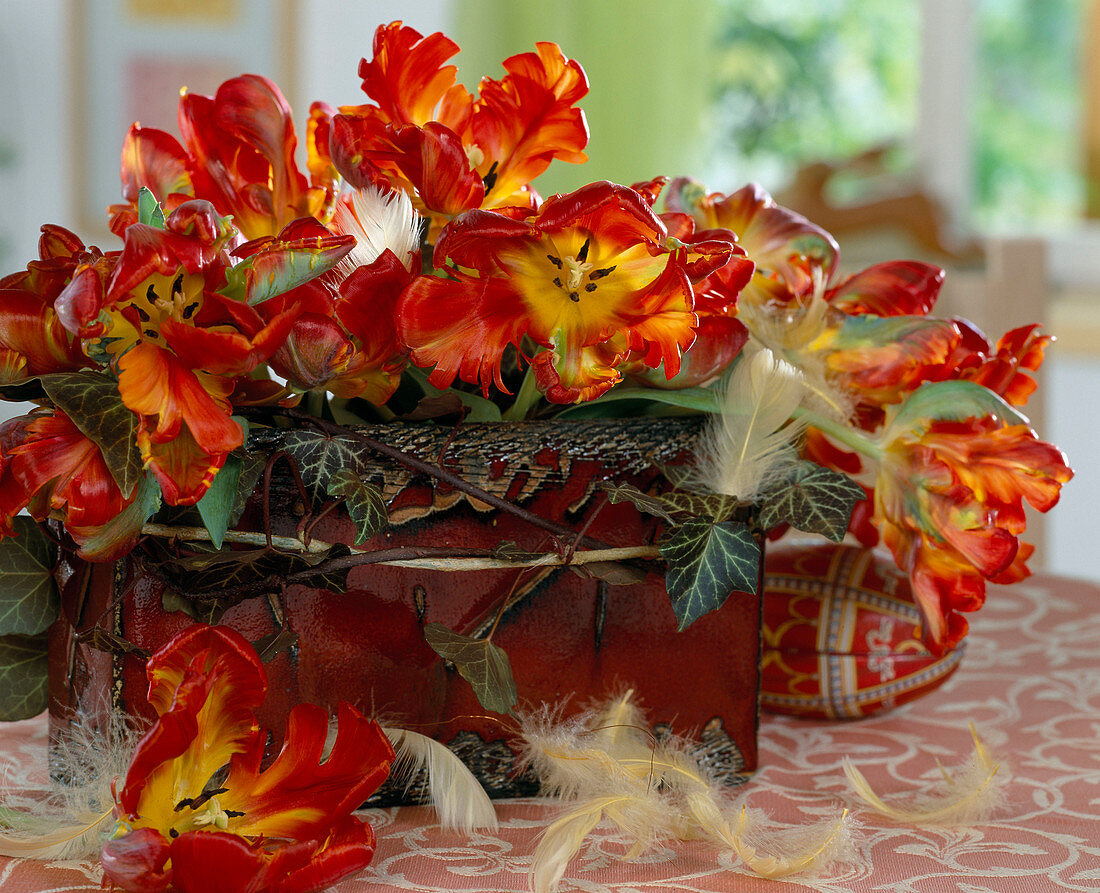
(196, 811)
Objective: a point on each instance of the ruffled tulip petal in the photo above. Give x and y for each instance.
(295, 796)
(893, 288)
(957, 464)
(286, 829)
(205, 690)
(48, 464)
(136, 861)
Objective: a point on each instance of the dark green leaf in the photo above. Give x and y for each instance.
(706, 562)
(813, 499)
(231, 569)
(364, 502)
(653, 505)
(253, 463)
(28, 596)
(216, 504)
(28, 390)
(319, 457)
(92, 401)
(118, 534)
(479, 662)
(270, 646)
(149, 210)
(696, 399)
(24, 677)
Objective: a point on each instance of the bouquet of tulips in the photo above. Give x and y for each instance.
(413, 272)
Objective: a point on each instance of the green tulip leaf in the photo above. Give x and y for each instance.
(149, 210)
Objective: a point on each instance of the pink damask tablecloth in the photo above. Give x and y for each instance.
(1030, 682)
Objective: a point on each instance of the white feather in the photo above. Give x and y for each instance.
(67, 842)
(609, 766)
(752, 441)
(460, 801)
(73, 820)
(378, 220)
(968, 796)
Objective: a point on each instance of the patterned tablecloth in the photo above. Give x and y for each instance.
(1030, 682)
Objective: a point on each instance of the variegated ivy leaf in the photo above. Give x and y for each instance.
(479, 662)
(676, 505)
(92, 401)
(252, 469)
(706, 562)
(812, 499)
(28, 597)
(24, 677)
(363, 501)
(320, 456)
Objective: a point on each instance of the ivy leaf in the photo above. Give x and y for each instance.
(706, 562)
(813, 499)
(643, 502)
(231, 569)
(24, 677)
(364, 502)
(29, 601)
(92, 401)
(319, 457)
(479, 662)
(676, 505)
(149, 210)
(253, 463)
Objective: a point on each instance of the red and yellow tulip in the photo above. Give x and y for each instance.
(427, 135)
(185, 822)
(956, 465)
(590, 277)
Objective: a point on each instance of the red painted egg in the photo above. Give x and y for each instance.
(842, 635)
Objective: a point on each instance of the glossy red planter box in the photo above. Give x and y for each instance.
(842, 635)
(570, 639)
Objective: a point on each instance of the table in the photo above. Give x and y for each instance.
(1030, 682)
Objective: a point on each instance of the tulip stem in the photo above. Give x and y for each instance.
(845, 434)
(526, 398)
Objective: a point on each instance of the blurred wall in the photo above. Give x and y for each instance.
(650, 102)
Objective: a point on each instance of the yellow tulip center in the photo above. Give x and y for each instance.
(574, 269)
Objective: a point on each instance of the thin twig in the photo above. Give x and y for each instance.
(442, 474)
(441, 558)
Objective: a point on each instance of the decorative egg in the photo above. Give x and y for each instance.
(842, 634)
